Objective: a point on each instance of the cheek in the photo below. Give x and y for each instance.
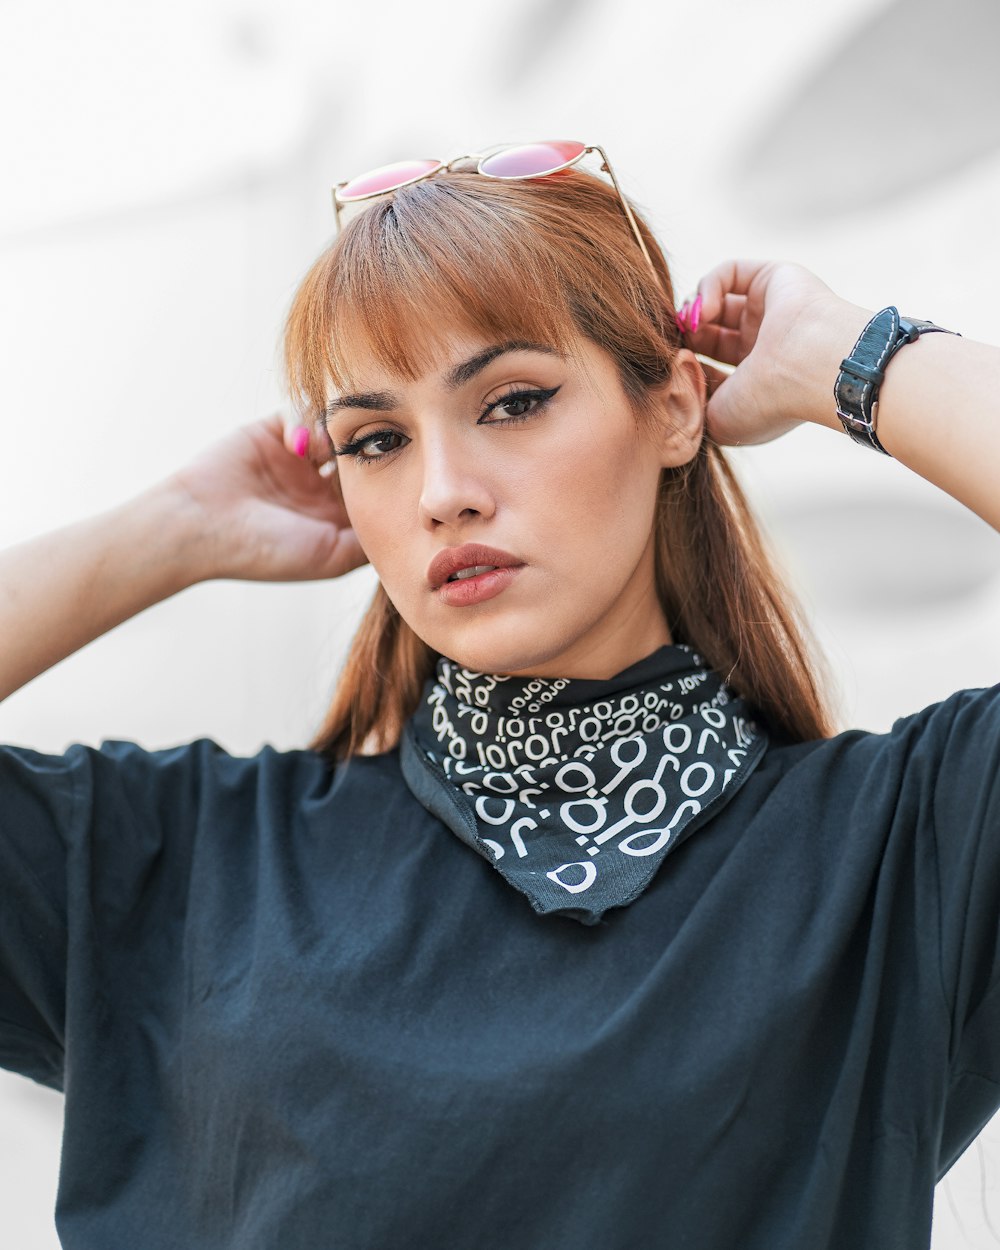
(611, 485)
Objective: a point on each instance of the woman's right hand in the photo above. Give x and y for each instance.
(248, 507)
(266, 513)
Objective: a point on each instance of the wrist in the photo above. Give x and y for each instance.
(822, 337)
(172, 530)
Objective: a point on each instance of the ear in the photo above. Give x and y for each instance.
(681, 411)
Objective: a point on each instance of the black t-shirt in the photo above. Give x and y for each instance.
(290, 1008)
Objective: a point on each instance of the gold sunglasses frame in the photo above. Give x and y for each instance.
(480, 158)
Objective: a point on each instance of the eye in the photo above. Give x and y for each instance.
(519, 405)
(372, 447)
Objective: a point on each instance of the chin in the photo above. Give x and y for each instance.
(484, 658)
(503, 649)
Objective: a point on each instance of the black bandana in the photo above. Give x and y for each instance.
(576, 790)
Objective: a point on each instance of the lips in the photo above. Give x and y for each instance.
(470, 556)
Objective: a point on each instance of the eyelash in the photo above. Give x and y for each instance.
(542, 397)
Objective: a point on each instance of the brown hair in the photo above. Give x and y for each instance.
(542, 260)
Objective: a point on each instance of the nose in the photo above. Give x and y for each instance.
(455, 486)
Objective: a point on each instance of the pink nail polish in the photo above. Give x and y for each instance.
(680, 324)
(300, 442)
(695, 317)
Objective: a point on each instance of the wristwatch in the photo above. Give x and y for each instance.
(861, 373)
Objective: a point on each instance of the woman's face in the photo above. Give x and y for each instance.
(537, 457)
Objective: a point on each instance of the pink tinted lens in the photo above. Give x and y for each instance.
(386, 178)
(532, 160)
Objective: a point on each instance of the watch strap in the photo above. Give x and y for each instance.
(862, 372)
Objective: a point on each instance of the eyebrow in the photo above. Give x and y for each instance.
(385, 401)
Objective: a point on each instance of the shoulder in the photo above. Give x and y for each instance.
(100, 790)
(937, 766)
(971, 716)
(204, 770)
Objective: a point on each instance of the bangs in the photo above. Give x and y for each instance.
(473, 256)
(432, 263)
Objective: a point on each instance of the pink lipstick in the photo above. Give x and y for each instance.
(471, 573)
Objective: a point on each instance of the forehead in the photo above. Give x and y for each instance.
(447, 358)
(360, 363)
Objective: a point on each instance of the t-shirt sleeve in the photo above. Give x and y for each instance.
(38, 815)
(82, 834)
(953, 777)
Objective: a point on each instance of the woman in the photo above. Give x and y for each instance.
(578, 925)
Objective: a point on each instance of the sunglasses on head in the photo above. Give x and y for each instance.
(512, 161)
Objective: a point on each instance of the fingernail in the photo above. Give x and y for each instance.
(695, 316)
(682, 317)
(679, 319)
(300, 441)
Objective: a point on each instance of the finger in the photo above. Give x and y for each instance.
(714, 376)
(322, 448)
(730, 318)
(305, 442)
(296, 436)
(731, 277)
(341, 555)
(723, 291)
(725, 346)
(733, 309)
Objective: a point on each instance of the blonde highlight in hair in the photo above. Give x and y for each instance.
(542, 260)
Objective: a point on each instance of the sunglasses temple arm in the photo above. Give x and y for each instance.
(628, 212)
(336, 208)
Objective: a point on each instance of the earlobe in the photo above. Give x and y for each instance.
(682, 410)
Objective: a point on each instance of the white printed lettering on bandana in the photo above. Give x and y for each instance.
(577, 799)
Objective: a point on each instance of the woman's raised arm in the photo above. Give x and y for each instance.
(787, 333)
(253, 506)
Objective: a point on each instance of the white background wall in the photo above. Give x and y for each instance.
(165, 183)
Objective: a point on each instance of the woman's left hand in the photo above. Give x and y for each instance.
(786, 333)
(771, 320)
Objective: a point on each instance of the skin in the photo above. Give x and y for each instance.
(249, 507)
(569, 491)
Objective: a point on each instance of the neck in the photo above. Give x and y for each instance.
(633, 629)
(598, 657)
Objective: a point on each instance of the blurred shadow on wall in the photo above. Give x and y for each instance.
(532, 41)
(287, 168)
(910, 97)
